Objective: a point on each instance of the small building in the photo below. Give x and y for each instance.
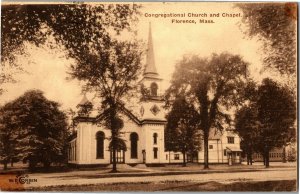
(223, 148)
(285, 153)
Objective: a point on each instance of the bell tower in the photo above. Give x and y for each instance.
(151, 79)
(84, 107)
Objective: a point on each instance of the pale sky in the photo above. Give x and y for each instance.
(47, 68)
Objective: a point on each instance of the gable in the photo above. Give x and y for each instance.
(126, 113)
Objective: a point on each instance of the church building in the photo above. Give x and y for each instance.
(142, 138)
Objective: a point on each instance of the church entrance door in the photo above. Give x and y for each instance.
(120, 156)
(120, 151)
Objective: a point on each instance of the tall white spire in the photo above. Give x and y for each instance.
(150, 69)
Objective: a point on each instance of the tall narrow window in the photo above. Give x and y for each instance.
(154, 88)
(155, 138)
(134, 149)
(155, 150)
(100, 145)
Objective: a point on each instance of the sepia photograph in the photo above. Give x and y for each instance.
(149, 96)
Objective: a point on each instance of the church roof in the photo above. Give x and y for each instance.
(150, 68)
(127, 112)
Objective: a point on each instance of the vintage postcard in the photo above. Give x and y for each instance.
(148, 96)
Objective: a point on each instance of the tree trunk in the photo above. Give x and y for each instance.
(248, 159)
(184, 159)
(11, 163)
(46, 164)
(114, 167)
(284, 155)
(206, 149)
(114, 134)
(4, 165)
(32, 165)
(267, 159)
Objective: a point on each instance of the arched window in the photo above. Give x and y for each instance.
(155, 138)
(100, 145)
(134, 148)
(153, 89)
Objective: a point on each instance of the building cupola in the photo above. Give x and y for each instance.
(84, 107)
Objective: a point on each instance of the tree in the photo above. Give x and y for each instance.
(88, 33)
(276, 114)
(41, 128)
(268, 121)
(82, 29)
(246, 123)
(182, 132)
(8, 135)
(111, 74)
(247, 127)
(34, 23)
(275, 24)
(214, 85)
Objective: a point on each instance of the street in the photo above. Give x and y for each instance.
(193, 174)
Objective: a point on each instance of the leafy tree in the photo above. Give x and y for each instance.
(275, 25)
(8, 135)
(245, 121)
(276, 114)
(88, 33)
(82, 29)
(248, 128)
(268, 121)
(34, 23)
(213, 85)
(182, 132)
(41, 127)
(111, 74)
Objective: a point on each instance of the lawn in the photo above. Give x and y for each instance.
(284, 185)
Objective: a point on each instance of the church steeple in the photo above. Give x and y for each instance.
(151, 80)
(150, 69)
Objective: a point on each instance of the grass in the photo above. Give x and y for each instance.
(284, 185)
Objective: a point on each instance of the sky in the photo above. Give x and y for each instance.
(47, 68)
